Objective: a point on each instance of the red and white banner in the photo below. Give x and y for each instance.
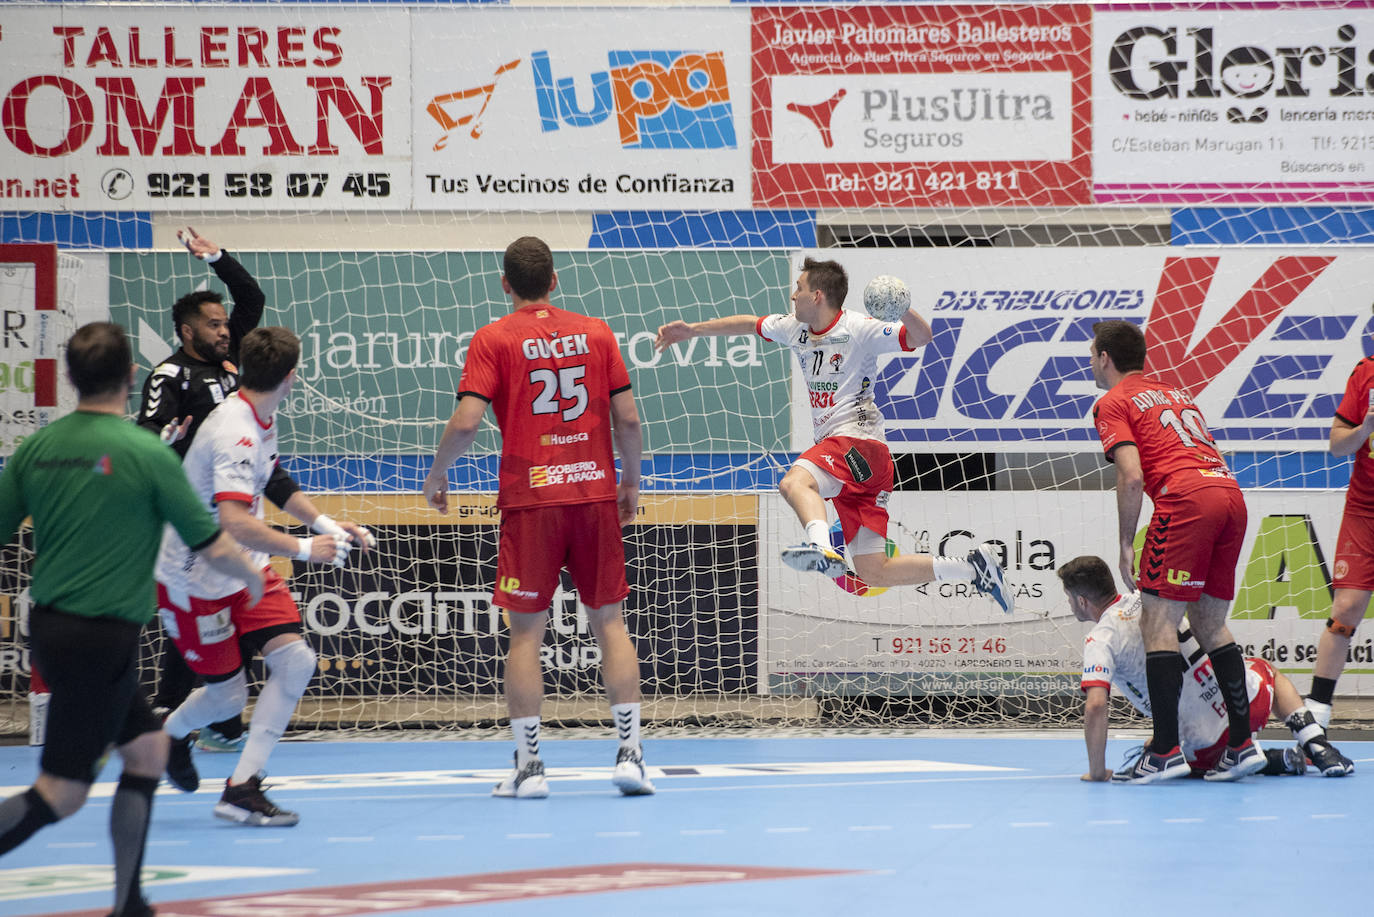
(1234, 104)
(921, 106)
(172, 107)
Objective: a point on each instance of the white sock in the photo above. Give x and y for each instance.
(626, 724)
(289, 669)
(526, 732)
(952, 569)
(819, 533)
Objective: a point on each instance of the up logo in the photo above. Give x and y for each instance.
(660, 99)
(1179, 577)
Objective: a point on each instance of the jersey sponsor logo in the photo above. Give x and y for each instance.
(836, 361)
(102, 465)
(1096, 670)
(214, 628)
(170, 370)
(563, 439)
(510, 585)
(1183, 578)
(570, 473)
(216, 391)
(571, 345)
(244, 441)
(660, 99)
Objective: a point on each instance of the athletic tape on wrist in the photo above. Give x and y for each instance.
(303, 549)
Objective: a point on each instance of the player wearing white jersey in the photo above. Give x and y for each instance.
(850, 465)
(1114, 658)
(209, 617)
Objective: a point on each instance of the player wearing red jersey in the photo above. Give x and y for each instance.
(1353, 571)
(1159, 442)
(558, 386)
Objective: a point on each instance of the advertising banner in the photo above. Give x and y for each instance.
(942, 638)
(143, 107)
(384, 336)
(921, 106)
(1263, 340)
(581, 109)
(1233, 103)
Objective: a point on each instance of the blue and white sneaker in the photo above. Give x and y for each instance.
(988, 578)
(1236, 763)
(629, 775)
(526, 782)
(813, 558)
(1150, 767)
(213, 740)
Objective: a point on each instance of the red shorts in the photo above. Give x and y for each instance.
(1193, 544)
(206, 631)
(538, 541)
(864, 469)
(1353, 566)
(1261, 703)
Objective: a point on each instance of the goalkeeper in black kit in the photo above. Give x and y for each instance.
(177, 396)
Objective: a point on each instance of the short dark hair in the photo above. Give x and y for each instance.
(99, 359)
(528, 266)
(829, 278)
(1123, 341)
(1090, 577)
(266, 355)
(188, 307)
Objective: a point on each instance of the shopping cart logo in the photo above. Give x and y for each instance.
(468, 107)
(659, 99)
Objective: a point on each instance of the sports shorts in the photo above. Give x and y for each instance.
(855, 475)
(1353, 564)
(91, 667)
(206, 631)
(1259, 683)
(539, 541)
(1193, 544)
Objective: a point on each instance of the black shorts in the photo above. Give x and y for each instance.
(91, 667)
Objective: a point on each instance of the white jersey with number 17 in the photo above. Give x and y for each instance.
(231, 458)
(839, 365)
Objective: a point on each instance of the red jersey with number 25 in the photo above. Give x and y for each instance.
(1169, 431)
(549, 375)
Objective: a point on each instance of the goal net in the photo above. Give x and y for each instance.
(1027, 169)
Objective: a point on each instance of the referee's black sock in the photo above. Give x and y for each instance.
(129, 813)
(1228, 665)
(1164, 680)
(21, 816)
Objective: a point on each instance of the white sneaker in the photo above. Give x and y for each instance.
(988, 578)
(527, 782)
(812, 558)
(629, 773)
(1320, 712)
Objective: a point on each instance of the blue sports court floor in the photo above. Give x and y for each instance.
(920, 823)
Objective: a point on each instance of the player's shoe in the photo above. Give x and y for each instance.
(1236, 763)
(213, 740)
(814, 558)
(1149, 767)
(1320, 712)
(629, 775)
(1328, 761)
(988, 578)
(247, 804)
(526, 782)
(181, 770)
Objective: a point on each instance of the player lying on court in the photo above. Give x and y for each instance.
(850, 464)
(1114, 656)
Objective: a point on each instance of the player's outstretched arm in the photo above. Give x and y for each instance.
(238, 520)
(227, 557)
(1095, 709)
(303, 509)
(459, 433)
(629, 444)
(679, 331)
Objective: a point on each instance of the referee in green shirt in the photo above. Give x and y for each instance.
(99, 490)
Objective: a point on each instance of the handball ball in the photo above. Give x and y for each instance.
(886, 298)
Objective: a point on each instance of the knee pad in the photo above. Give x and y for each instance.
(1339, 629)
(228, 697)
(292, 665)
